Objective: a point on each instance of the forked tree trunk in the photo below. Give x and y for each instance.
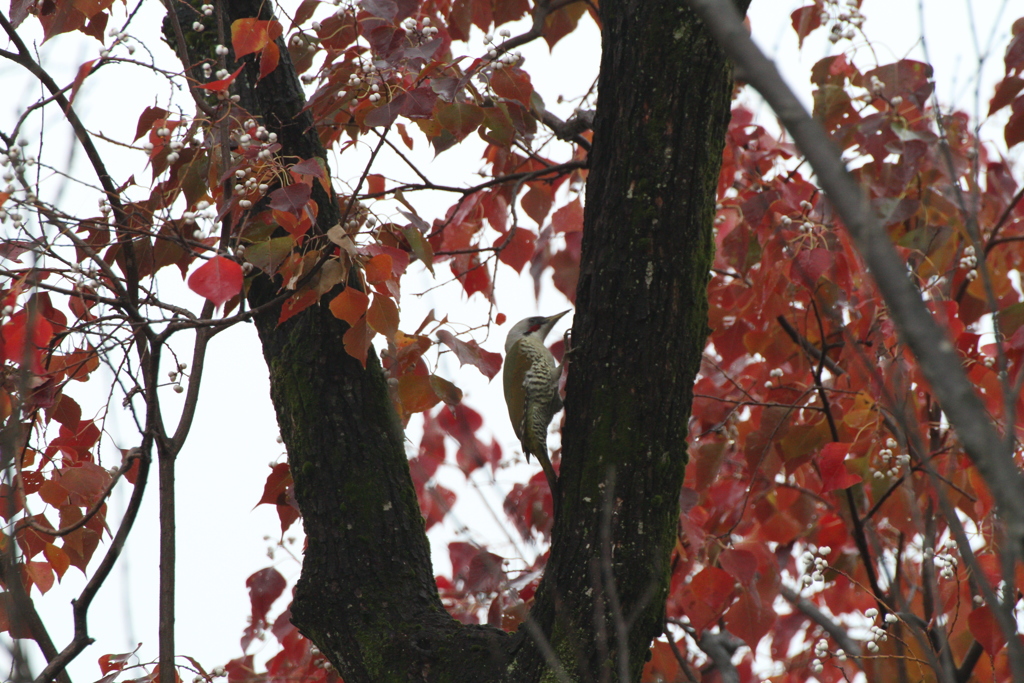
(366, 596)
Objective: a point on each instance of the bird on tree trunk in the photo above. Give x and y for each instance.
(531, 388)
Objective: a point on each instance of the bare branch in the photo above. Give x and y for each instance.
(838, 633)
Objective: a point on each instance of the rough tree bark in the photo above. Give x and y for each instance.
(640, 326)
(367, 596)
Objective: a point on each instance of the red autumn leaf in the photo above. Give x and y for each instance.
(251, 35)
(513, 84)
(831, 462)
(218, 280)
(750, 618)
(805, 20)
(1013, 133)
(110, 663)
(291, 198)
(562, 22)
(741, 565)
(470, 353)
(238, 670)
(224, 83)
(406, 139)
(707, 596)
(31, 541)
(287, 514)
(314, 167)
(485, 574)
(516, 248)
(472, 273)
(569, 218)
(537, 201)
(66, 411)
(41, 575)
(337, 32)
(530, 506)
(1006, 90)
(13, 248)
(435, 502)
(811, 265)
(265, 586)
(85, 482)
(83, 71)
(986, 630)
(304, 12)
(385, 113)
(275, 491)
(293, 225)
(297, 303)
(460, 118)
(16, 341)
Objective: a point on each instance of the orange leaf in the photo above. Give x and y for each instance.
(416, 393)
(375, 183)
(252, 35)
(269, 59)
(357, 341)
(350, 305)
(382, 316)
(378, 269)
(59, 559)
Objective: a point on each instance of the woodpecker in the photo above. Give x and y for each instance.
(531, 388)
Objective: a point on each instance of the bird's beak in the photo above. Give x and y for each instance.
(554, 318)
(550, 321)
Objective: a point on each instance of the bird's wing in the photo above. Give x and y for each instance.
(514, 377)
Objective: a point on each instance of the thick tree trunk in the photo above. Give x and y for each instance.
(639, 330)
(366, 596)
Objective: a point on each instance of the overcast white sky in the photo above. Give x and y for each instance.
(222, 470)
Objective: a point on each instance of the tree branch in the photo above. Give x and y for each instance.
(80, 607)
(837, 632)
